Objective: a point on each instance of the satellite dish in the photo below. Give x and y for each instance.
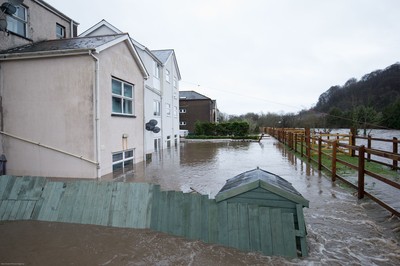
(153, 122)
(3, 24)
(16, 2)
(8, 8)
(156, 130)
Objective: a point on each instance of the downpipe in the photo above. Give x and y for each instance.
(96, 104)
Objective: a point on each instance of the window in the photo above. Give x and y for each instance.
(157, 144)
(17, 22)
(182, 123)
(157, 108)
(168, 109)
(175, 82)
(182, 111)
(156, 70)
(167, 75)
(122, 162)
(122, 97)
(60, 31)
(175, 111)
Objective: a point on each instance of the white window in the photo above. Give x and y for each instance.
(175, 111)
(182, 110)
(157, 144)
(156, 70)
(60, 31)
(122, 97)
(175, 82)
(167, 75)
(168, 109)
(122, 162)
(17, 22)
(156, 108)
(182, 123)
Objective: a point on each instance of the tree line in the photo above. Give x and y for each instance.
(371, 102)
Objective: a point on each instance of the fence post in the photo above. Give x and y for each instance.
(369, 145)
(353, 133)
(395, 151)
(361, 164)
(319, 153)
(308, 143)
(334, 147)
(302, 145)
(295, 142)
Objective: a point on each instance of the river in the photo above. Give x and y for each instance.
(341, 229)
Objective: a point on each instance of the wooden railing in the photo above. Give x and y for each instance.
(323, 149)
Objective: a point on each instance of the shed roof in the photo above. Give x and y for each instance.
(260, 178)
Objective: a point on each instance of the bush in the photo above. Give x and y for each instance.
(237, 128)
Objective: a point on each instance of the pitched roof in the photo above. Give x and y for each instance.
(163, 55)
(105, 24)
(192, 95)
(71, 44)
(60, 47)
(260, 178)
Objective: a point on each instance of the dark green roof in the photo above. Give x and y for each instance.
(260, 178)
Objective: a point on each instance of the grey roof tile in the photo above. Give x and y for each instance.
(192, 95)
(91, 42)
(163, 55)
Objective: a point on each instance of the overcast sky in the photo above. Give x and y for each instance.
(257, 55)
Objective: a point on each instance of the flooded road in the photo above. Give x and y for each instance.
(341, 229)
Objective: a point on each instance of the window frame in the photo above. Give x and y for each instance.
(59, 26)
(168, 109)
(167, 76)
(182, 123)
(123, 98)
(156, 73)
(123, 162)
(15, 20)
(156, 108)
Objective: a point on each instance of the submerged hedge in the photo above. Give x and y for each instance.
(226, 129)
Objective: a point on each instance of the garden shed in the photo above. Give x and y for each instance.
(264, 213)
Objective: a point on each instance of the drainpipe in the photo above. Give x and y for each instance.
(96, 104)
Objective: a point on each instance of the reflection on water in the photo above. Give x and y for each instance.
(341, 229)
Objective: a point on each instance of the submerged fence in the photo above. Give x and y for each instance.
(331, 151)
(249, 227)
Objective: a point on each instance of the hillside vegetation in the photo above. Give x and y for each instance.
(371, 102)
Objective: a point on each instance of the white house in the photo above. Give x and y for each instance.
(161, 95)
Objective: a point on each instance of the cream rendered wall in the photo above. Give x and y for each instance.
(117, 61)
(48, 101)
(41, 26)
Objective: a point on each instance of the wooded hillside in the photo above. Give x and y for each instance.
(373, 100)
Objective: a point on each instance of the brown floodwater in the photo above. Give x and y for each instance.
(341, 229)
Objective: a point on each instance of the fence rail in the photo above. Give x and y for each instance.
(316, 146)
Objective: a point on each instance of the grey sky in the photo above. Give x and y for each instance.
(257, 55)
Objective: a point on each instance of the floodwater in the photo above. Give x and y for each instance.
(341, 229)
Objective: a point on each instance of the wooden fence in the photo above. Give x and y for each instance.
(316, 146)
(248, 227)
